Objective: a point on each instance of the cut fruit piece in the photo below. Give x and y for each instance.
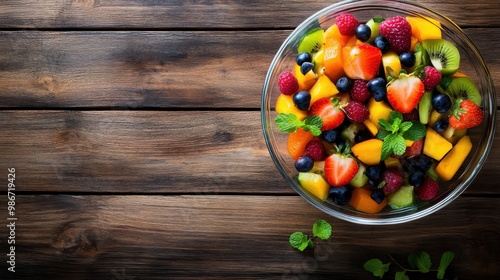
(361, 61)
(424, 28)
(435, 145)
(332, 59)
(361, 200)
(350, 131)
(392, 162)
(317, 60)
(369, 151)
(434, 117)
(333, 33)
(360, 179)
(464, 88)
(403, 197)
(312, 41)
(373, 24)
(323, 88)
(285, 105)
(378, 110)
(315, 184)
(391, 64)
(371, 127)
(305, 81)
(450, 164)
(443, 55)
(319, 168)
(425, 107)
(405, 92)
(453, 135)
(297, 142)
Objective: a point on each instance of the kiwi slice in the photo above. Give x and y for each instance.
(463, 87)
(443, 55)
(425, 107)
(312, 42)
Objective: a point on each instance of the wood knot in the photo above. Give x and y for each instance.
(51, 85)
(79, 241)
(223, 137)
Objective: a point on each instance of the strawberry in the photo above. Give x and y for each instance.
(361, 61)
(329, 111)
(340, 169)
(465, 114)
(405, 92)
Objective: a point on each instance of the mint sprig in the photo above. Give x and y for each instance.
(290, 123)
(394, 132)
(300, 241)
(376, 267)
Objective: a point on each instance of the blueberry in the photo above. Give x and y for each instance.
(382, 43)
(362, 135)
(441, 102)
(377, 87)
(303, 57)
(421, 162)
(363, 32)
(340, 195)
(306, 67)
(378, 195)
(302, 99)
(416, 178)
(441, 125)
(374, 173)
(304, 164)
(330, 136)
(344, 84)
(407, 59)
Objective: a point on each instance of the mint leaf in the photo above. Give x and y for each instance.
(395, 115)
(378, 19)
(401, 275)
(398, 145)
(420, 260)
(416, 132)
(405, 126)
(446, 259)
(385, 125)
(386, 149)
(382, 134)
(299, 240)
(288, 122)
(313, 124)
(322, 229)
(376, 267)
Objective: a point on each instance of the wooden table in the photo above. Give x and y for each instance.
(134, 131)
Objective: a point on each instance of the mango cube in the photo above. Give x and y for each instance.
(435, 145)
(450, 164)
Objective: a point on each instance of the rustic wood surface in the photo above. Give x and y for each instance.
(134, 128)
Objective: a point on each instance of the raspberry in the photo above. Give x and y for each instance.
(315, 150)
(397, 30)
(347, 24)
(359, 91)
(287, 83)
(356, 111)
(431, 77)
(393, 180)
(428, 190)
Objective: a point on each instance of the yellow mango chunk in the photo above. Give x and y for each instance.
(424, 28)
(450, 164)
(371, 127)
(435, 145)
(392, 162)
(305, 81)
(408, 143)
(323, 87)
(391, 60)
(315, 184)
(378, 110)
(368, 151)
(285, 105)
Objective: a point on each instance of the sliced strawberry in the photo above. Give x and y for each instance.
(465, 114)
(340, 169)
(405, 92)
(415, 149)
(361, 61)
(329, 111)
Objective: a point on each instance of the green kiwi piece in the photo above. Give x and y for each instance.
(312, 42)
(373, 24)
(443, 55)
(403, 197)
(463, 87)
(425, 107)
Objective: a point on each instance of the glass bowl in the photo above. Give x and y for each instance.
(471, 63)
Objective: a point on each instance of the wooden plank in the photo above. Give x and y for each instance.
(202, 14)
(152, 69)
(199, 152)
(233, 237)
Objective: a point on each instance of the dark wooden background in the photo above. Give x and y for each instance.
(134, 129)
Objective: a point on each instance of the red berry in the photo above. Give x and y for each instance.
(393, 180)
(356, 111)
(347, 24)
(405, 92)
(359, 91)
(397, 30)
(431, 77)
(315, 150)
(411, 116)
(428, 190)
(287, 83)
(465, 114)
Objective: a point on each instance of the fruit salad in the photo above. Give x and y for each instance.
(377, 112)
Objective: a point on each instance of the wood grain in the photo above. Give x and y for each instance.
(201, 14)
(233, 237)
(152, 152)
(134, 70)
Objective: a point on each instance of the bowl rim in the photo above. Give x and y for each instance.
(376, 220)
